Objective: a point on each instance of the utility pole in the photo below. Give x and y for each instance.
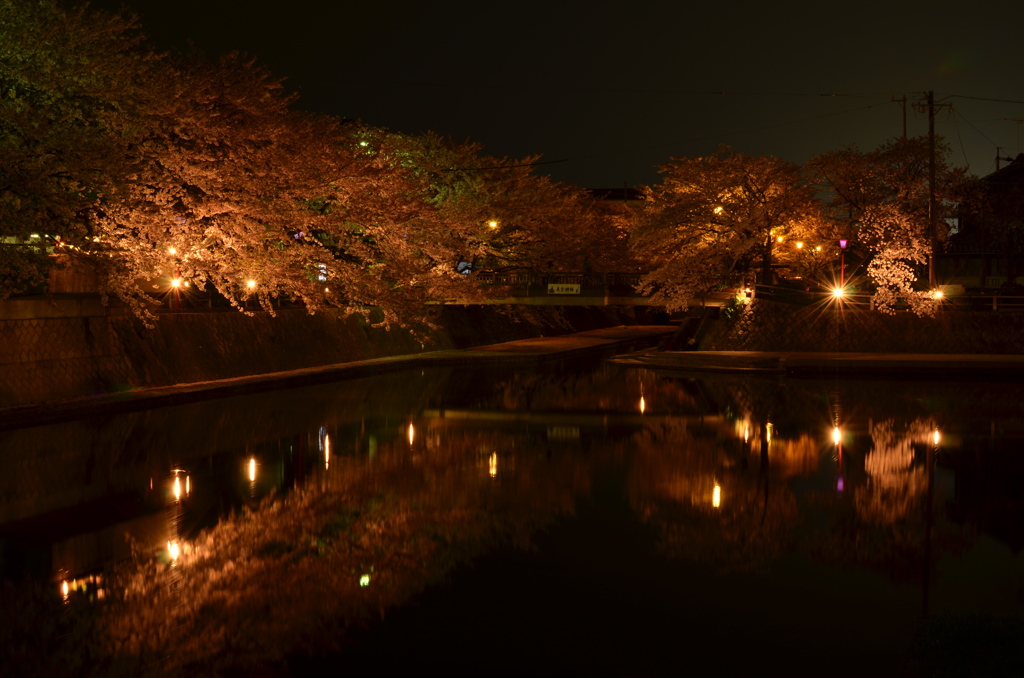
(1000, 158)
(1018, 121)
(933, 221)
(903, 104)
(904, 117)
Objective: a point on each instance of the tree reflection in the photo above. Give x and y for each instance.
(895, 485)
(362, 516)
(340, 552)
(673, 477)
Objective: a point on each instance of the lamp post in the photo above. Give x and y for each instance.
(842, 263)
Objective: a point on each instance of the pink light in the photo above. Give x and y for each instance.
(839, 484)
(842, 244)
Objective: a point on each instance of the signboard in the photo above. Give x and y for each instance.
(563, 288)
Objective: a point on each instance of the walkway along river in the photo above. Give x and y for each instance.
(572, 514)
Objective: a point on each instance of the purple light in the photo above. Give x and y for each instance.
(840, 484)
(842, 244)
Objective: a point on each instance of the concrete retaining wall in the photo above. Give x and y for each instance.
(773, 326)
(54, 351)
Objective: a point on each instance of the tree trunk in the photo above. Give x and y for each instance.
(766, 264)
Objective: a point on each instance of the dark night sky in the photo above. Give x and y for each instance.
(616, 88)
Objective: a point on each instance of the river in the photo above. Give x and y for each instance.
(580, 516)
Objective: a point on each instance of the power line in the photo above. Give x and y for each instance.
(718, 135)
(956, 112)
(611, 90)
(749, 130)
(967, 96)
(963, 149)
(739, 132)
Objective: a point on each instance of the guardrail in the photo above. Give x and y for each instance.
(979, 302)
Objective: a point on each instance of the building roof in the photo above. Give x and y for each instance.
(624, 193)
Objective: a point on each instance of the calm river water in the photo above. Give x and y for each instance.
(579, 516)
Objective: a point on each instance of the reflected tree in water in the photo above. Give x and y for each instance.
(672, 481)
(298, 573)
(895, 485)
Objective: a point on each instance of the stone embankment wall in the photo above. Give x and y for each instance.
(773, 326)
(53, 351)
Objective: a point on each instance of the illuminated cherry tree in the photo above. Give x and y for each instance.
(718, 217)
(900, 250)
(505, 216)
(151, 170)
(71, 86)
(879, 201)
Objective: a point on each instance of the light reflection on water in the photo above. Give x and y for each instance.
(296, 501)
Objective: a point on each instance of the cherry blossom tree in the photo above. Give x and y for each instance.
(507, 216)
(153, 170)
(715, 218)
(880, 200)
(71, 89)
(900, 250)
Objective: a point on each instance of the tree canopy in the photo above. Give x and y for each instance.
(151, 169)
(143, 166)
(879, 200)
(714, 219)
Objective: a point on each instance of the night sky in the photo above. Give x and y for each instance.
(616, 88)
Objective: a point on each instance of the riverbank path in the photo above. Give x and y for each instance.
(522, 352)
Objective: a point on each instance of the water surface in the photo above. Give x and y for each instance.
(582, 515)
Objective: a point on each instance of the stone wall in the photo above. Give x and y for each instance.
(56, 351)
(773, 326)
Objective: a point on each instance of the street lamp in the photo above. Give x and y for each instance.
(842, 262)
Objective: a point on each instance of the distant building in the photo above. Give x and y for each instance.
(987, 251)
(626, 195)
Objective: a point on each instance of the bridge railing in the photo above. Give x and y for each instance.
(584, 279)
